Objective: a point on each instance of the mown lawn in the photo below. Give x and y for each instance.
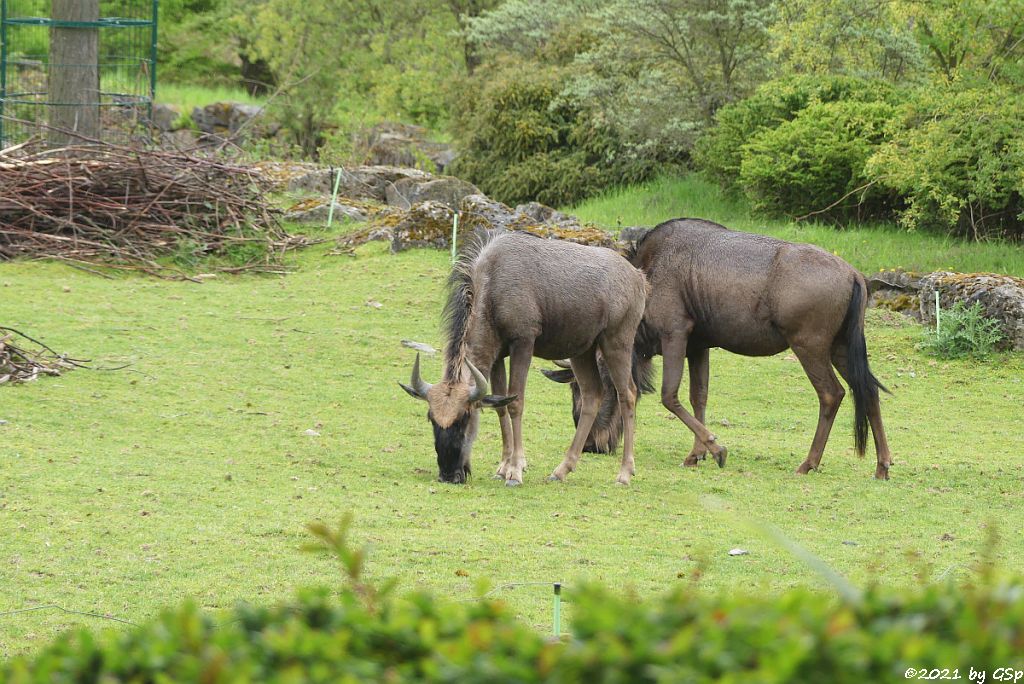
(192, 472)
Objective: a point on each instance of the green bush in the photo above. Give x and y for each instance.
(719, 152)
(816, 161)
(684, 636)
(520, 140)
(956, 155)
(964, 331)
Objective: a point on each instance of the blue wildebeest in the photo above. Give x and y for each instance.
(756, 296)
(518, 296)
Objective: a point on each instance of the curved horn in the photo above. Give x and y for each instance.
(562, 363)
(481, 387)
(418, 385)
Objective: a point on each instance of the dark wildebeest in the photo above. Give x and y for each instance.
(516, 295)
(751, 295)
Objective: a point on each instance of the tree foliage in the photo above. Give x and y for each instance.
(957, 156)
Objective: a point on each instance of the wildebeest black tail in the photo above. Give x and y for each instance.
(863, 383)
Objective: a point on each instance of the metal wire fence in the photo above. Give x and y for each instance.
(125, 68)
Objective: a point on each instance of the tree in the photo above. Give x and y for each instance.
(979, 39)
(74, 89)
(864, 38)
(465, 11)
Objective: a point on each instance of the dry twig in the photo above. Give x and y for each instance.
(23, 365)
(127, 208)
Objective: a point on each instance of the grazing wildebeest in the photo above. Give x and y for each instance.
(756, 296)
(516, 295)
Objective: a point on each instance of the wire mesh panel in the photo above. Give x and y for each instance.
(43, 84)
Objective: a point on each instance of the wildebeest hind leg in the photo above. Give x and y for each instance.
(618, 361)
(673, 349)
(817, 365)
(589, 381)
(499, 386)
(882, 454)
(699, 377)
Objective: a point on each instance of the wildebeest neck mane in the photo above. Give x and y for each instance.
(459, 306)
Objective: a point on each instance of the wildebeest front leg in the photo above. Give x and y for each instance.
(700, 371)
(673, 349)
(499, 386)
(518, 370)
(588, 378)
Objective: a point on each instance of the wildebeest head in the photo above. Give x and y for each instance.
(453, 411)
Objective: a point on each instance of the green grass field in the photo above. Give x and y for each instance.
(191, 472)
(187, 96)
(869, 248)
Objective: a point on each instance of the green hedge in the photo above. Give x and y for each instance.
(719, 152)
(684, 636)
(816, 161)
(520, 140)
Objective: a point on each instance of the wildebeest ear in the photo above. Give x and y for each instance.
(411, 391)
(497, 401)
(561, 375)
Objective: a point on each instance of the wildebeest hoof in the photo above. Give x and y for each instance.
(554, 478)
(720, 457)
(498, 476)
(882, 473)
(693, 460)
(621, 482)
(512, 483)
(804, 469)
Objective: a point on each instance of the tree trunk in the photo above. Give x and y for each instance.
(74, 89)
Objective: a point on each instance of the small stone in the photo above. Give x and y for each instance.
(738, 552)
(311, 433)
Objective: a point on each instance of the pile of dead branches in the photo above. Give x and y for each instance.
(129, 208)
(18, 364)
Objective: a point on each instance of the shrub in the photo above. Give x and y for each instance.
(957, 156)
(816, 161)
(719, 152)
(520, 141)
(684, 636)
(964, 331)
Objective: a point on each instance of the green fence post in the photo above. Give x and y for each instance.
(3, 66)
(556, 627)
(152, 58)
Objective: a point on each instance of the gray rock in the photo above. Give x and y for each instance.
(398, 144)
(481, 212)
(360, 182)
(425, 224)
(165, 117)
(321, 212)
(448, 190)
(1001, 298)
(632, 233)
(182, 139)
(226, 119)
